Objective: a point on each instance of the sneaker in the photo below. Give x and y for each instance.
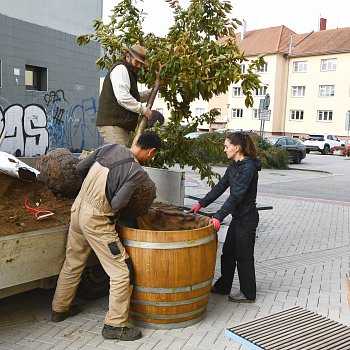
(61, 316)
(218, 291)
(120, 333)
(239, 297)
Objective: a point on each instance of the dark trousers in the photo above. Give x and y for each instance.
(238, 250)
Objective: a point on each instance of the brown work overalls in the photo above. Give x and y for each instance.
(91, 227)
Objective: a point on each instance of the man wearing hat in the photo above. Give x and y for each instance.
(120, 101)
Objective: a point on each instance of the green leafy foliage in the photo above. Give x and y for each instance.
(271, 157)
(199, 58)
(209, 149)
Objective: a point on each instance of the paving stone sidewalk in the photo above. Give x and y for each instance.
(302, 256)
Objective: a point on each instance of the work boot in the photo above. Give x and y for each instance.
(61, 316)
(239, 297)
(120, 333)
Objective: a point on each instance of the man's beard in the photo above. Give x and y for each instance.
(135, 70)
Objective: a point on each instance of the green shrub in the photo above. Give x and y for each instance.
(209, 148)
(274, 158)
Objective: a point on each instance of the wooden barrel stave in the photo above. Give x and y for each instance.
(167, 293)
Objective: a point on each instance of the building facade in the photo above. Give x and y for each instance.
(305, 76)
(49, 86)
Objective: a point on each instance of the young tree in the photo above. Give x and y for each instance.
(199, 59)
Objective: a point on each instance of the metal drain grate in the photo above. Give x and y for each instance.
(292, 329)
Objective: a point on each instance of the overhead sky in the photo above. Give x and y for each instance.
(300, 16)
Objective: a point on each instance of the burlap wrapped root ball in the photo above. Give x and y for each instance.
(58, 171)
(141, 200)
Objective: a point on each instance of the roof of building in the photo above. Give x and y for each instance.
(323, 41)
(264, 41)
(277, 40)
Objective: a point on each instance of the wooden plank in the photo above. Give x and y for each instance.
(313, 341)
(278, 327)
(298, 336)
(342, 346)
(329, 341)
(279, 315)
(348, 287)
(292, 329)
(291, 337)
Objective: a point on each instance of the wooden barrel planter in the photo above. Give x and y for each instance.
(174, 255)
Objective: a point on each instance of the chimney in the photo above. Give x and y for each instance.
(323, 23)
(244, 29)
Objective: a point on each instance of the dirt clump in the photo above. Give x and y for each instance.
(58, 171)
(15, 218)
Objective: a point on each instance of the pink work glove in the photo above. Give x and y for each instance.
(216, 224)
(195, 208)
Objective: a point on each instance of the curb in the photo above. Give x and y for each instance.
(312, 170)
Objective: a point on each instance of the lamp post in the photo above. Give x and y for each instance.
(228, 113)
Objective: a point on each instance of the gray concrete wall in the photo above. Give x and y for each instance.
(73, 17)
(64, 114)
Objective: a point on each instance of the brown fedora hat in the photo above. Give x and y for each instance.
(138, 51)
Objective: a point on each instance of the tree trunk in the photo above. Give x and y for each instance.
(143, 123)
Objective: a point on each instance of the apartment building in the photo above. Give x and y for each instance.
(49, 86)
(318, 85)
(305, 76)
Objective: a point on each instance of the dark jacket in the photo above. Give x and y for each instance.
(242, 179)
(110, 112)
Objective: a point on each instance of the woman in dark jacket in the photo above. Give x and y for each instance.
(242, 178)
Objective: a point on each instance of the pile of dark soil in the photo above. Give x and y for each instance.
(15, 218)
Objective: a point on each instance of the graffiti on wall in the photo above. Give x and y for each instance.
(53, 121)
(26, 132)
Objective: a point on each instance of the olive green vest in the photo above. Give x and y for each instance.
(110, 112)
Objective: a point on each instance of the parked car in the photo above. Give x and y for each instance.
(295, 148)
(195, 134)
(322, 143)
(221, 131)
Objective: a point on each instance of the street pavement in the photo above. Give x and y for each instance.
(302, 257)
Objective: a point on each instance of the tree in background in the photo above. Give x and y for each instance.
(199, 59)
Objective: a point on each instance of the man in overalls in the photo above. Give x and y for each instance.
(112, 173)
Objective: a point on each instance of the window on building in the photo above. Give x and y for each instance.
(237, 113)
(255, 113)
(299, 66)
(329, 64)
(199, 112)
(261, 91)
(324, 116)
(326, 90)
(36, 78)
(296, 114)
(242, 68)
(298, 91)
(262, 69)
(236, 91)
